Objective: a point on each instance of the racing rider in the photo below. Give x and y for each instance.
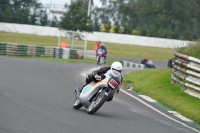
(99, 74)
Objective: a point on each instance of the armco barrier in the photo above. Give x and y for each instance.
(58, 52)
(39, 51)
(31, 50)
(66, 52)
(22, 50)
(49, 51)
(3, 48)
(12, 49)
(73, 54)
(131, 64)
(186, 71)
(89, 54)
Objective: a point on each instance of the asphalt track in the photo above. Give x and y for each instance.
(36, 97)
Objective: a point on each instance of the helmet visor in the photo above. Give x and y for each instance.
(117, 70)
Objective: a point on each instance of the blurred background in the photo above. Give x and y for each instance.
(174, 19)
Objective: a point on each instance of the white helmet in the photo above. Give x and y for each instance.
(116, 68)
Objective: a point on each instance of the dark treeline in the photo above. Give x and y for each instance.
(176, 19)
(24, 12)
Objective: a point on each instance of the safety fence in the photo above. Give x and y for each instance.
(129, 64)
(186, 71)
(89, 54)
(11, 49)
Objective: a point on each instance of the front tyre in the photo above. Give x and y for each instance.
(77, 104)
(97, 103)
(101, 60)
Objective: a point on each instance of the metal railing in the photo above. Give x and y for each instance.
(12, 49)
(186, 71)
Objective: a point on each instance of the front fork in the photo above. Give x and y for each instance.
(106, 92)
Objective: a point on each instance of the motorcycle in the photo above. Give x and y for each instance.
(100, 56)
(94, 95)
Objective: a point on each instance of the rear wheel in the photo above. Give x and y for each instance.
(77, 104)
(98, 60)
(97, 103)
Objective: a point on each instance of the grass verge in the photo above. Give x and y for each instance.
(156, 83)
(114, 49)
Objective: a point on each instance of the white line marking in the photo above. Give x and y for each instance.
(180, 116)
(147, 98)
(172, 112)
(159, 111)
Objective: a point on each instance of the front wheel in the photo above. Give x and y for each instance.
(97, 103)
(102, 59)
(77, 104)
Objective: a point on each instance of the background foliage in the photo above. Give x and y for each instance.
(176, 19)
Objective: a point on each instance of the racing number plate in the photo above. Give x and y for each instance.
(113, 83)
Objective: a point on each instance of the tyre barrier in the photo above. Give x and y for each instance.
(186, 72)
(129, 64)
(12, 49)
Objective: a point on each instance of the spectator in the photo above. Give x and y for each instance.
(169, 65)
(97, 45)
(63, 44)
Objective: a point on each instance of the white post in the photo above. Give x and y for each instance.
(59, 39)
(88, 14)
(85, 46)
(72, 40)
(89, 5)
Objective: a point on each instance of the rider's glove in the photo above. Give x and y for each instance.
(97, 77)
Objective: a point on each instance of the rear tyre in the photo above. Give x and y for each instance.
(98, 60)
(77, 104)
(97, 103)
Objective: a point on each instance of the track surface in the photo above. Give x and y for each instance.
(36, 97)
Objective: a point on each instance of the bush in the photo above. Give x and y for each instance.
(193, 49)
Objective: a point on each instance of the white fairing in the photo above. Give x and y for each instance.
(150, 62)
(101, 51)
(102, 60)
(92, 88)
(100, 55)
(89, 90)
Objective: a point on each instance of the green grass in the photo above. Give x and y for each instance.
(156, 83)
(114, 50)
(193, 49)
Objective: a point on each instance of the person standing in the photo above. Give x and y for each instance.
(169, 65)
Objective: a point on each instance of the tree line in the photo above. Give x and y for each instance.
(25, 12)
(175, 19)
